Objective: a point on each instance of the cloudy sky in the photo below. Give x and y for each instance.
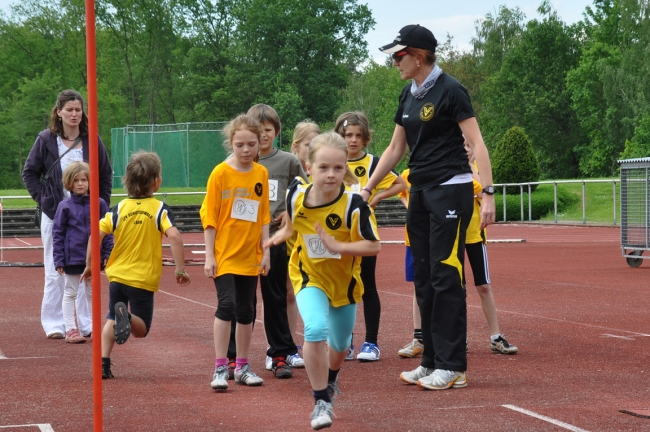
(441, 17)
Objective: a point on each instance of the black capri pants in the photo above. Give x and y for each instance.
(236, 298)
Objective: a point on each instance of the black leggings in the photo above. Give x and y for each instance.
(371, 303)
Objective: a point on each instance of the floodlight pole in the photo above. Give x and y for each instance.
(93, 133)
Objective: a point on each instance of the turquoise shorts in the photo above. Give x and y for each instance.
(325, 322)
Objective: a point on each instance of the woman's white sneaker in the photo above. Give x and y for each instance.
(413, 376)
(443, 379)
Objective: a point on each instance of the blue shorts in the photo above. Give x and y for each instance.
(139, 300)
(325, 322)
(408, 265)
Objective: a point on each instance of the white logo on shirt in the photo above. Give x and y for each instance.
(452, 214)
(405, 116)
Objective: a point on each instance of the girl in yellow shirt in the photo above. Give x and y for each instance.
(235, 215)
(334, 230)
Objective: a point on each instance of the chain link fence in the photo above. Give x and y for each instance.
(188, 151)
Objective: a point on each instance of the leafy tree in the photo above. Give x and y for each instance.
(375, 92)
(530, 91)
(497, 34)
(514, 160)
(639, 145)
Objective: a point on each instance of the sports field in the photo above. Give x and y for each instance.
(565, 296)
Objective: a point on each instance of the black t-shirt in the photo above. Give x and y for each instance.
(432, 133)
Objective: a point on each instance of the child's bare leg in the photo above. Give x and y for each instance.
(221, 331)
(336, 358)
(108, 338)
(489, 308)
(243, 334)
(317, 363)
(138, 327)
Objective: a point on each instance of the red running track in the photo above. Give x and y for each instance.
(566, 297)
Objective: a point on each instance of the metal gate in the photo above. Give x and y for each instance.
(635, 209)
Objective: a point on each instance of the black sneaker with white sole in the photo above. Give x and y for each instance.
(500, 345)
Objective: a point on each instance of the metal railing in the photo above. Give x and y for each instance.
(555, 183)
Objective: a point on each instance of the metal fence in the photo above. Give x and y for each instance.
(528, 187)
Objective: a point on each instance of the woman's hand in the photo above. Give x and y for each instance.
(60, 271)
(488, 212)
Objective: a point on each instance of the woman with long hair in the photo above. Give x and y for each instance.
(63, 142)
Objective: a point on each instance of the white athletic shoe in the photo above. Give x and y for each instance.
(443, 379)
(220, 378)
(322, 415)
(350, 355)
(413, 376)
(269, 363)
(246, 376)
(295, 361)
(369, 352)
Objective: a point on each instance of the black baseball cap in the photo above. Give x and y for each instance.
(413, 35)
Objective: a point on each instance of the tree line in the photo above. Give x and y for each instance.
(580, 92)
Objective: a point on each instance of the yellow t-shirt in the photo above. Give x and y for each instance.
(406, 193)
(137, 225)
(236, 205)
(347, 219)
(474, 233)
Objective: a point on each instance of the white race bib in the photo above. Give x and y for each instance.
(245, 209)
(273, 190)
(316, 248)
(356, 188)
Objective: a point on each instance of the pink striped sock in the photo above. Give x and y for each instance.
(220, 362)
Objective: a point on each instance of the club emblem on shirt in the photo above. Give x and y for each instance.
(258, 189)
(426, 113)
(360, 171)
(333, 221)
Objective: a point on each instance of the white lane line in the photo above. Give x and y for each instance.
(616, 336)
(193, 301)
(28, 244)
(43, 427)
(546, 419)
(541, 317)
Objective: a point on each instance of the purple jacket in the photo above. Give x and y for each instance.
(71, 231)
(43, 155)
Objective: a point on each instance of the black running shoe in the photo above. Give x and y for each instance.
(122, 327)
(281, 369)
(106, 368)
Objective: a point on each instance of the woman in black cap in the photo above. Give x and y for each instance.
(433, 115)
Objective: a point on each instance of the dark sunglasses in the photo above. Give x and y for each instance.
(397, 57)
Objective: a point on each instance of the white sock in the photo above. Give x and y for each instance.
(495, 337)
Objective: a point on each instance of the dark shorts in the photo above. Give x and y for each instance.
(408, 265)
(139, 301)
(236, 298)
(478, 260)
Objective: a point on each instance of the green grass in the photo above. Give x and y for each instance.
(599, 202)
